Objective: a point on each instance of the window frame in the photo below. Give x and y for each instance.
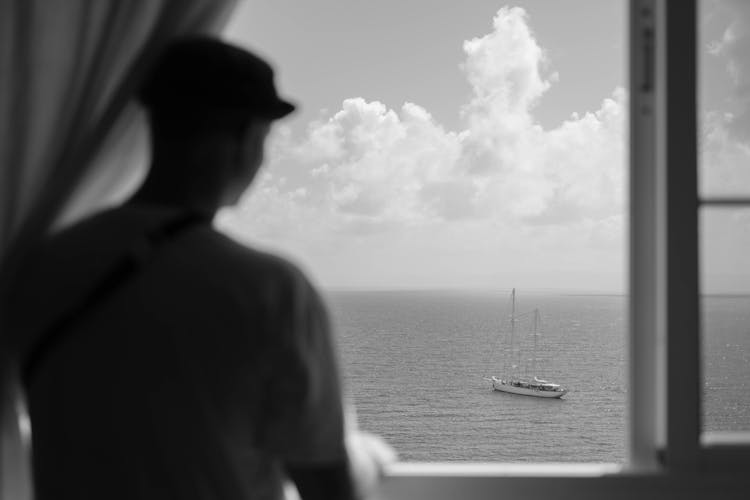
(669, 457)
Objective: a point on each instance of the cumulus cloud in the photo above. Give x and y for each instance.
(389, 159)
(724, 159)
(373, 169)
(400, 166)
(725, 138)
(734, 46)
(504, 69)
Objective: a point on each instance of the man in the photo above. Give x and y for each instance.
(167, 360)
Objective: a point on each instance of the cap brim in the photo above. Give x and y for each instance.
(281, 109)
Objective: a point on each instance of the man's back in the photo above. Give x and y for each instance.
(204, 370)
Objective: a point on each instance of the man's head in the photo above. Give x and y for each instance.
(216, 101)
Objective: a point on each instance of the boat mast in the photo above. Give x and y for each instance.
(516, 372)
(533, 357)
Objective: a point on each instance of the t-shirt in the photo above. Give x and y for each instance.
(197, 378)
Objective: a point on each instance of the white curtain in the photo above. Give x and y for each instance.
(71, 138)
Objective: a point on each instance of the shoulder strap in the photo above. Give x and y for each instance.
(134, 259)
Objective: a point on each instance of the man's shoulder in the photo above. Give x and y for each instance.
(123, 226)
(222, 252)
(197, 251)
(245, 275)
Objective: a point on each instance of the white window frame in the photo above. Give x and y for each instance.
(669, 458)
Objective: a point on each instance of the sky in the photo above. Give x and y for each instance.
(444, 144)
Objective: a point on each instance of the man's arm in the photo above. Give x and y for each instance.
(304, 421)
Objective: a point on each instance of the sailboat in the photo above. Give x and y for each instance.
(529, 384)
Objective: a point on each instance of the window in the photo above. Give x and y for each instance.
(509, 172)
(668, 458)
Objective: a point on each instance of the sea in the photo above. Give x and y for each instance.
(415, 365)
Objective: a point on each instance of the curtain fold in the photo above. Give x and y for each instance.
(70, 135)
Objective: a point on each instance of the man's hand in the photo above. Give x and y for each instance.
(368, 457)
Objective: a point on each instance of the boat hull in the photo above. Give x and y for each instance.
(501, 386)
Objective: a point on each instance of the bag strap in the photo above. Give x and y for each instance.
(127, 266)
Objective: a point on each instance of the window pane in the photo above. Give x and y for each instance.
(724, 97)
(446, 153)
(725, 283)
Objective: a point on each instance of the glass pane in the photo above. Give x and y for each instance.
(446, 153)
(724, 97)
(725, 283)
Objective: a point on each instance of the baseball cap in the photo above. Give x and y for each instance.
(206, 71)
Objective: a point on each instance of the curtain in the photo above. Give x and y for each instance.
(71, 138)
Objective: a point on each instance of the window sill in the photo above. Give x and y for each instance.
(480, 481)
(499, 469)
(725, 452)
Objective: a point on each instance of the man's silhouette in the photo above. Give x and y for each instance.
(167, 360)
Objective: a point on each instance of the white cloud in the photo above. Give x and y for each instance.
(724, 159)
(504, 69)
(725, 138)
(734, 46)
(383, 161)
(402, 167)
(502, 187)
